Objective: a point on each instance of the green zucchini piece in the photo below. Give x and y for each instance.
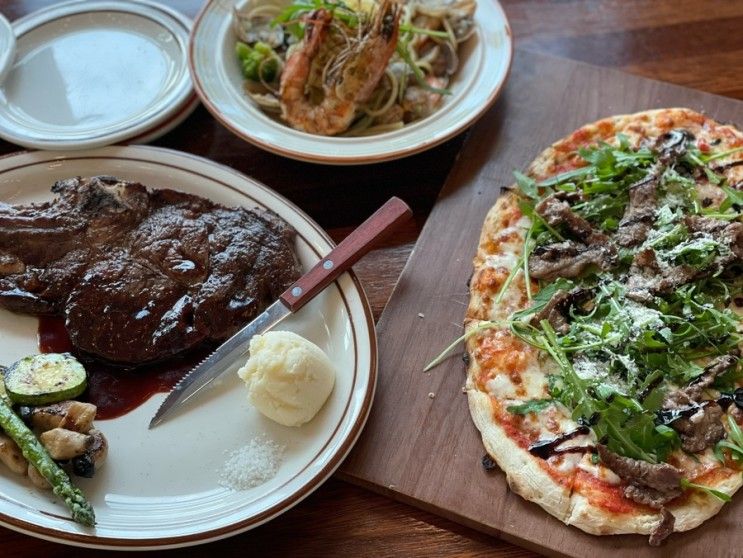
(3, 393)
(45, 378)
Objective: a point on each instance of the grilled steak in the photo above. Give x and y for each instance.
(141, 274)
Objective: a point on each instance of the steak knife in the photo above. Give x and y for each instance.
(383, 222)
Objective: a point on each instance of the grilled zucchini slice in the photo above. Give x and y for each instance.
(45, 378)
(3, 394)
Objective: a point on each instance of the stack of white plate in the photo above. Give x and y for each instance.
(88, 74)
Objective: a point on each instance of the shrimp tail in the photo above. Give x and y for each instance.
(297, 68)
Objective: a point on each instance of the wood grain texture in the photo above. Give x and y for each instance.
(340, 520)
(419, 444)
(686, 42)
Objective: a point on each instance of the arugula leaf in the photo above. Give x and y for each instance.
(616, 356)
(527, 185)
(686, 484)
(582, 402)
(698, 253)
(720, 155)
(735, 433)
(447, 351)
(565, 176)
(727, 381)
(539, 225)
(733, 199)
(540, 300)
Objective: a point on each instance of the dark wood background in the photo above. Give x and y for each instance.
(688, 42)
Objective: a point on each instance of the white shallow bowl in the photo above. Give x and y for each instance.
(88, 74)
(159, 488)
(7, 47)
(486, 59)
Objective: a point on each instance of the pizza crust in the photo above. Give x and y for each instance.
(525, 473)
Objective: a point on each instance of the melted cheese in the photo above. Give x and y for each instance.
(565, 462)
(598, 471)
(501, 387)
(506, 260)
(552, 421)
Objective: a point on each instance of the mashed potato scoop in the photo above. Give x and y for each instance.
(288, 377)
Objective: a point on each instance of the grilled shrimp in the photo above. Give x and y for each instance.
(352, 82)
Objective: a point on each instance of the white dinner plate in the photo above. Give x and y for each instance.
(485, 60)
(88, 74)
(160, 487)
(7, 47)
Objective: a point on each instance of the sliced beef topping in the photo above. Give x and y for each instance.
(640, 212)
(718, 366)
(652, 484)
(556, 211)
(697, 223)
(569, 259)
(643, 200)
(701, 430)
(698, 422)
(648, 278)
(730, 234)
(557, 310)
(733, 237)
(663, 529)
(691, 394)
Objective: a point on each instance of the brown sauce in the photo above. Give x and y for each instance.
(116, 390)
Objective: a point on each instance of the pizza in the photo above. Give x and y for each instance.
(603, 327)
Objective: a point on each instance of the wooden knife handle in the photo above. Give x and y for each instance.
(385, 220)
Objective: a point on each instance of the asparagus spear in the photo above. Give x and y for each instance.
(36, 454)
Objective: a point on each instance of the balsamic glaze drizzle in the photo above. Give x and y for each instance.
(546, 448)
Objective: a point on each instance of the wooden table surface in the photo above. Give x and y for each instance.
(692, 43)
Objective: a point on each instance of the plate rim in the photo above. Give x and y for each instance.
(336, 457)
(179, 25)
(7, 57)
(340, 159)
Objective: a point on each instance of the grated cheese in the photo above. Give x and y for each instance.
(641, 317)
(252, 465)
(588, 369)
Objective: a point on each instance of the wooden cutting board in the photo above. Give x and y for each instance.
(420, 445)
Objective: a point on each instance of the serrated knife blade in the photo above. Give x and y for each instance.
(340, 259)
(218, 362)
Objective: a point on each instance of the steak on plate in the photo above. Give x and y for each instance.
(141, 274)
